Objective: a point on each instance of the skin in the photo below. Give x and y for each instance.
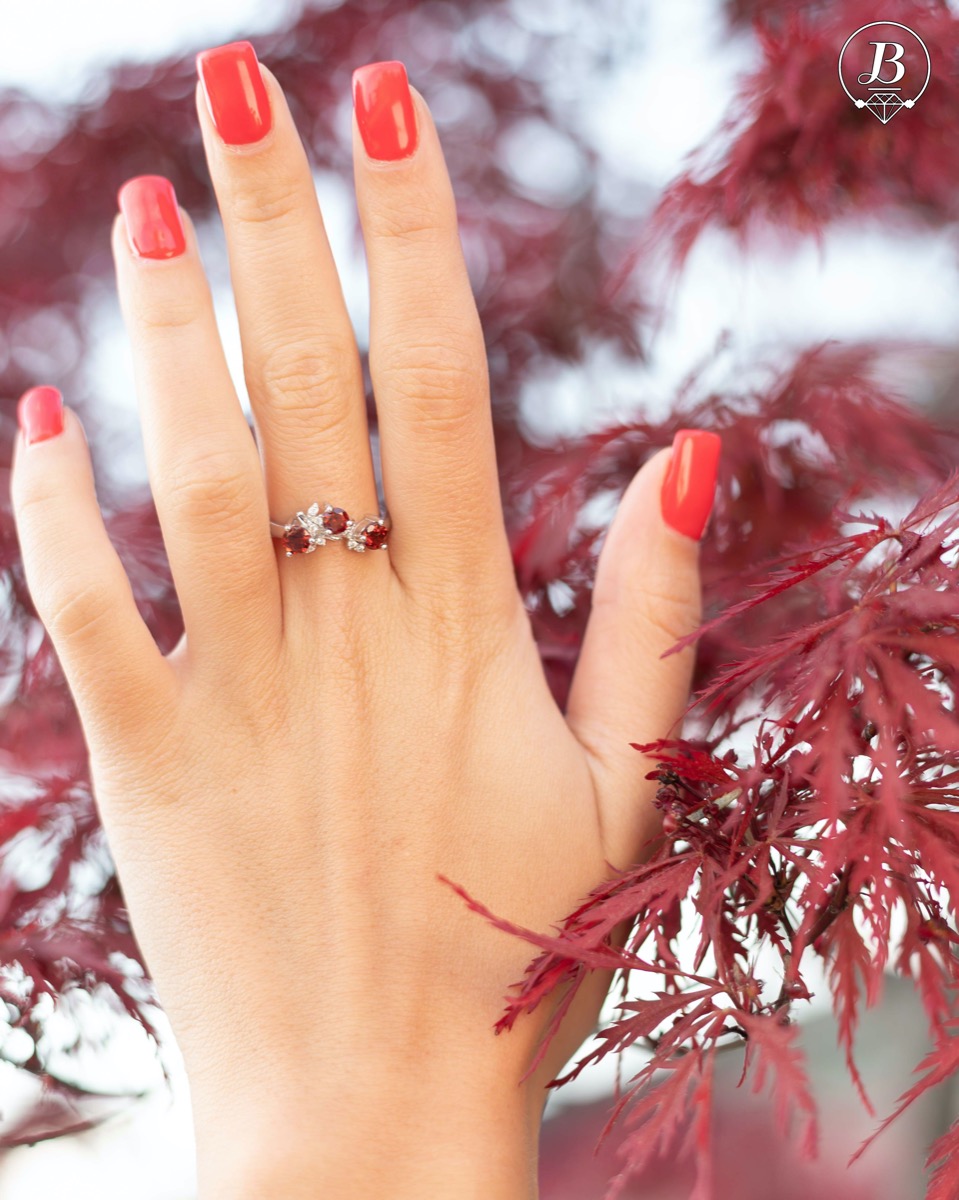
(335, 730)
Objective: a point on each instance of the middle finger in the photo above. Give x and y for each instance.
(300, 358)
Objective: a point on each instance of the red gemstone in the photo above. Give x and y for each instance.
(375, 536)
(335, 520)
(296, 540)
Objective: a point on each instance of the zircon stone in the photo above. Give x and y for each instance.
(335, 520)
(296, 540)
(375, 536)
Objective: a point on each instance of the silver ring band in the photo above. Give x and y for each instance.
(319, 525)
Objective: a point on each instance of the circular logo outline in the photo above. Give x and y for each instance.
(898, 25)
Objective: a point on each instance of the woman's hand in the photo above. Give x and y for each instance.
(336, 729)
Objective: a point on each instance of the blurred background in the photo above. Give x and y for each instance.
(563, 122)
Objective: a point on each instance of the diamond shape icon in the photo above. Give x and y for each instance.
(884, 105)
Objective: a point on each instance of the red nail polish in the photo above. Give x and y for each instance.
(690, 484)
(40, 414)
(384, 110)
(151, 216)
(235, 93)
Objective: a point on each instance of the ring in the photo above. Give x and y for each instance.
(314, 528)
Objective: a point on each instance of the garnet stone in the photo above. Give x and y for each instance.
(374, 536)
(335, 520)
(296, 540)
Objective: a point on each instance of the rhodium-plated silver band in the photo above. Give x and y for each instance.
(322, 523)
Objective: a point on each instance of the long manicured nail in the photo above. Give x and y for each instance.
(690, 484)
(40, 414)
(235, 93)
(151, 217)
(384, 110)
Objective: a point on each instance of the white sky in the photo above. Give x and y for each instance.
(54, 45)
(647, 116)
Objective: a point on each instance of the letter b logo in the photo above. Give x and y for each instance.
(884, 67)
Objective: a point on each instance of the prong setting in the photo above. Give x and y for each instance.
(315, 528)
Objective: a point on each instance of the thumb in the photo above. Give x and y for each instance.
(646, 596)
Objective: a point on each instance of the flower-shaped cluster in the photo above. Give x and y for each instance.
(314, 528)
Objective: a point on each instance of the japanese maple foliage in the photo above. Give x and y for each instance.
(814, 813)
(793, 152)
(811, 808)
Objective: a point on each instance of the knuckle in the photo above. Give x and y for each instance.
(280, 201)
(38, 506)
(461, 610)
(446, 648)
(213, 486)
(140, 760)
(168, 314)
(417, 224)
(303, 379)
(427, 374)
(73, 614)
(670, 614)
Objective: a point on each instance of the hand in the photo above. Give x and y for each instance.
(336, 729)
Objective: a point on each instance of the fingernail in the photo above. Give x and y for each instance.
(151, 217)
(235, 94)
(40, 414)
(384, 110)
(690, 484)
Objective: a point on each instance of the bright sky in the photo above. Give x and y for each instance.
(53, 46)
